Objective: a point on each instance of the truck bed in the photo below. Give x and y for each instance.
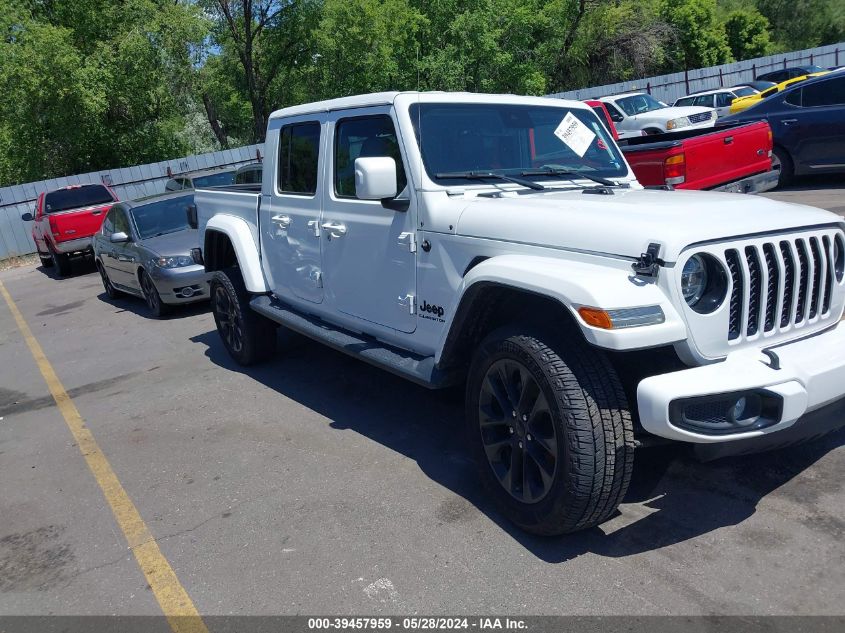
(705, 159)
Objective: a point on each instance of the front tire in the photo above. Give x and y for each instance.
(248, 337)
(550, 430)
(157, 308)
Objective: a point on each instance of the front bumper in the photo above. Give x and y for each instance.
(757, 183)
(811, 376)
(181, 285)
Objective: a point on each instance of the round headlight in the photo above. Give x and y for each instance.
(839, 257)
(704, 283)
(694, 279)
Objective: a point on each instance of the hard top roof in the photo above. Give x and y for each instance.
(388, 98)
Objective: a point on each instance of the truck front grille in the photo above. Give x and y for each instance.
(781, 283)
(700, 118)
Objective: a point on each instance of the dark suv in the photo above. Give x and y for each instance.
(808, 126)
(783, 74)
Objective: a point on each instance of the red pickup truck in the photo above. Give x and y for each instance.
(736, 158)
(65, 220)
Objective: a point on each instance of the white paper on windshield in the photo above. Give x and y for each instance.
(577, 136)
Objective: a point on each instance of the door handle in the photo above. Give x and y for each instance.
(282, 220)
(789, 121)
(97, 212)
(335, 229)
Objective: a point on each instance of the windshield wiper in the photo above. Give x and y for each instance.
(488, 175)
(551, 171)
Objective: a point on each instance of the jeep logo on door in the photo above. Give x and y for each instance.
(436, 312)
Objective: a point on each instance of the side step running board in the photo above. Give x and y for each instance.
(419, 369)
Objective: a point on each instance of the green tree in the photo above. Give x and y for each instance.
(700, 40)
(79, 96)
(269, 38)
(748, 34)
(484, 45)
(798, 24)
(364, 46)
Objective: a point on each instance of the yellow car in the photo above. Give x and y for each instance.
(743, 103)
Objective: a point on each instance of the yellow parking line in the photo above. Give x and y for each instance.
(181, 613)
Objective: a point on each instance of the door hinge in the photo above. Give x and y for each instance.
(314, 225)
(317, 278)
(408, 301)
(408, 239)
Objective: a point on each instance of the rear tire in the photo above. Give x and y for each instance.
(782, 163)
(557, 417)
(111, 291)
(248, 337)
(46, 260)
(61, 263)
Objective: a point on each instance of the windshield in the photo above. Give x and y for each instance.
(76, 198)
(637, 104)
(510, 139)
(215, 180)
(165, 216)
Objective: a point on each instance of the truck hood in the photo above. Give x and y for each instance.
(664, 115)
(625, 223)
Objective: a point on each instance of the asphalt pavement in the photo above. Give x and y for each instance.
(317, 484)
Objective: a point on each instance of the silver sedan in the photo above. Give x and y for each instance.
(144, 248)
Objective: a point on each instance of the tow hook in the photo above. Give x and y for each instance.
(775, 361)
(648, 264)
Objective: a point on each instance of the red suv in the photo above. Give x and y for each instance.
(65, 220)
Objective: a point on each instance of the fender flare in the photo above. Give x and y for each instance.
(244, 244)
(574, 284)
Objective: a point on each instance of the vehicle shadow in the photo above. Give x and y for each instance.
(672, 497)
(815, 182)
(136, 305)
(79, 267)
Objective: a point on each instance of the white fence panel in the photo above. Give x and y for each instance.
(137, 181)
(673, 86)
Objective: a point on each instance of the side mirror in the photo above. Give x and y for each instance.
(375, 178)
(191, 213)
(27, 217)
(118, 238)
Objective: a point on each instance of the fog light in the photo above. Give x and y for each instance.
(724, 414)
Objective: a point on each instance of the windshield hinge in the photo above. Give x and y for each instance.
(408, 239)
(649, 263)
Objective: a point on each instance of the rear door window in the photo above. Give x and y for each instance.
(723, 99)
(76, 198)
(824, 93)
(299, 154)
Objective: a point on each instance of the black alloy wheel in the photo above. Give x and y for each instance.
(228, 320)
(517, 431)
(151, 296)
(111, 291)
(249, 337)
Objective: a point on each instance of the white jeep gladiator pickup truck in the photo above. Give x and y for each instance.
(503, 243)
